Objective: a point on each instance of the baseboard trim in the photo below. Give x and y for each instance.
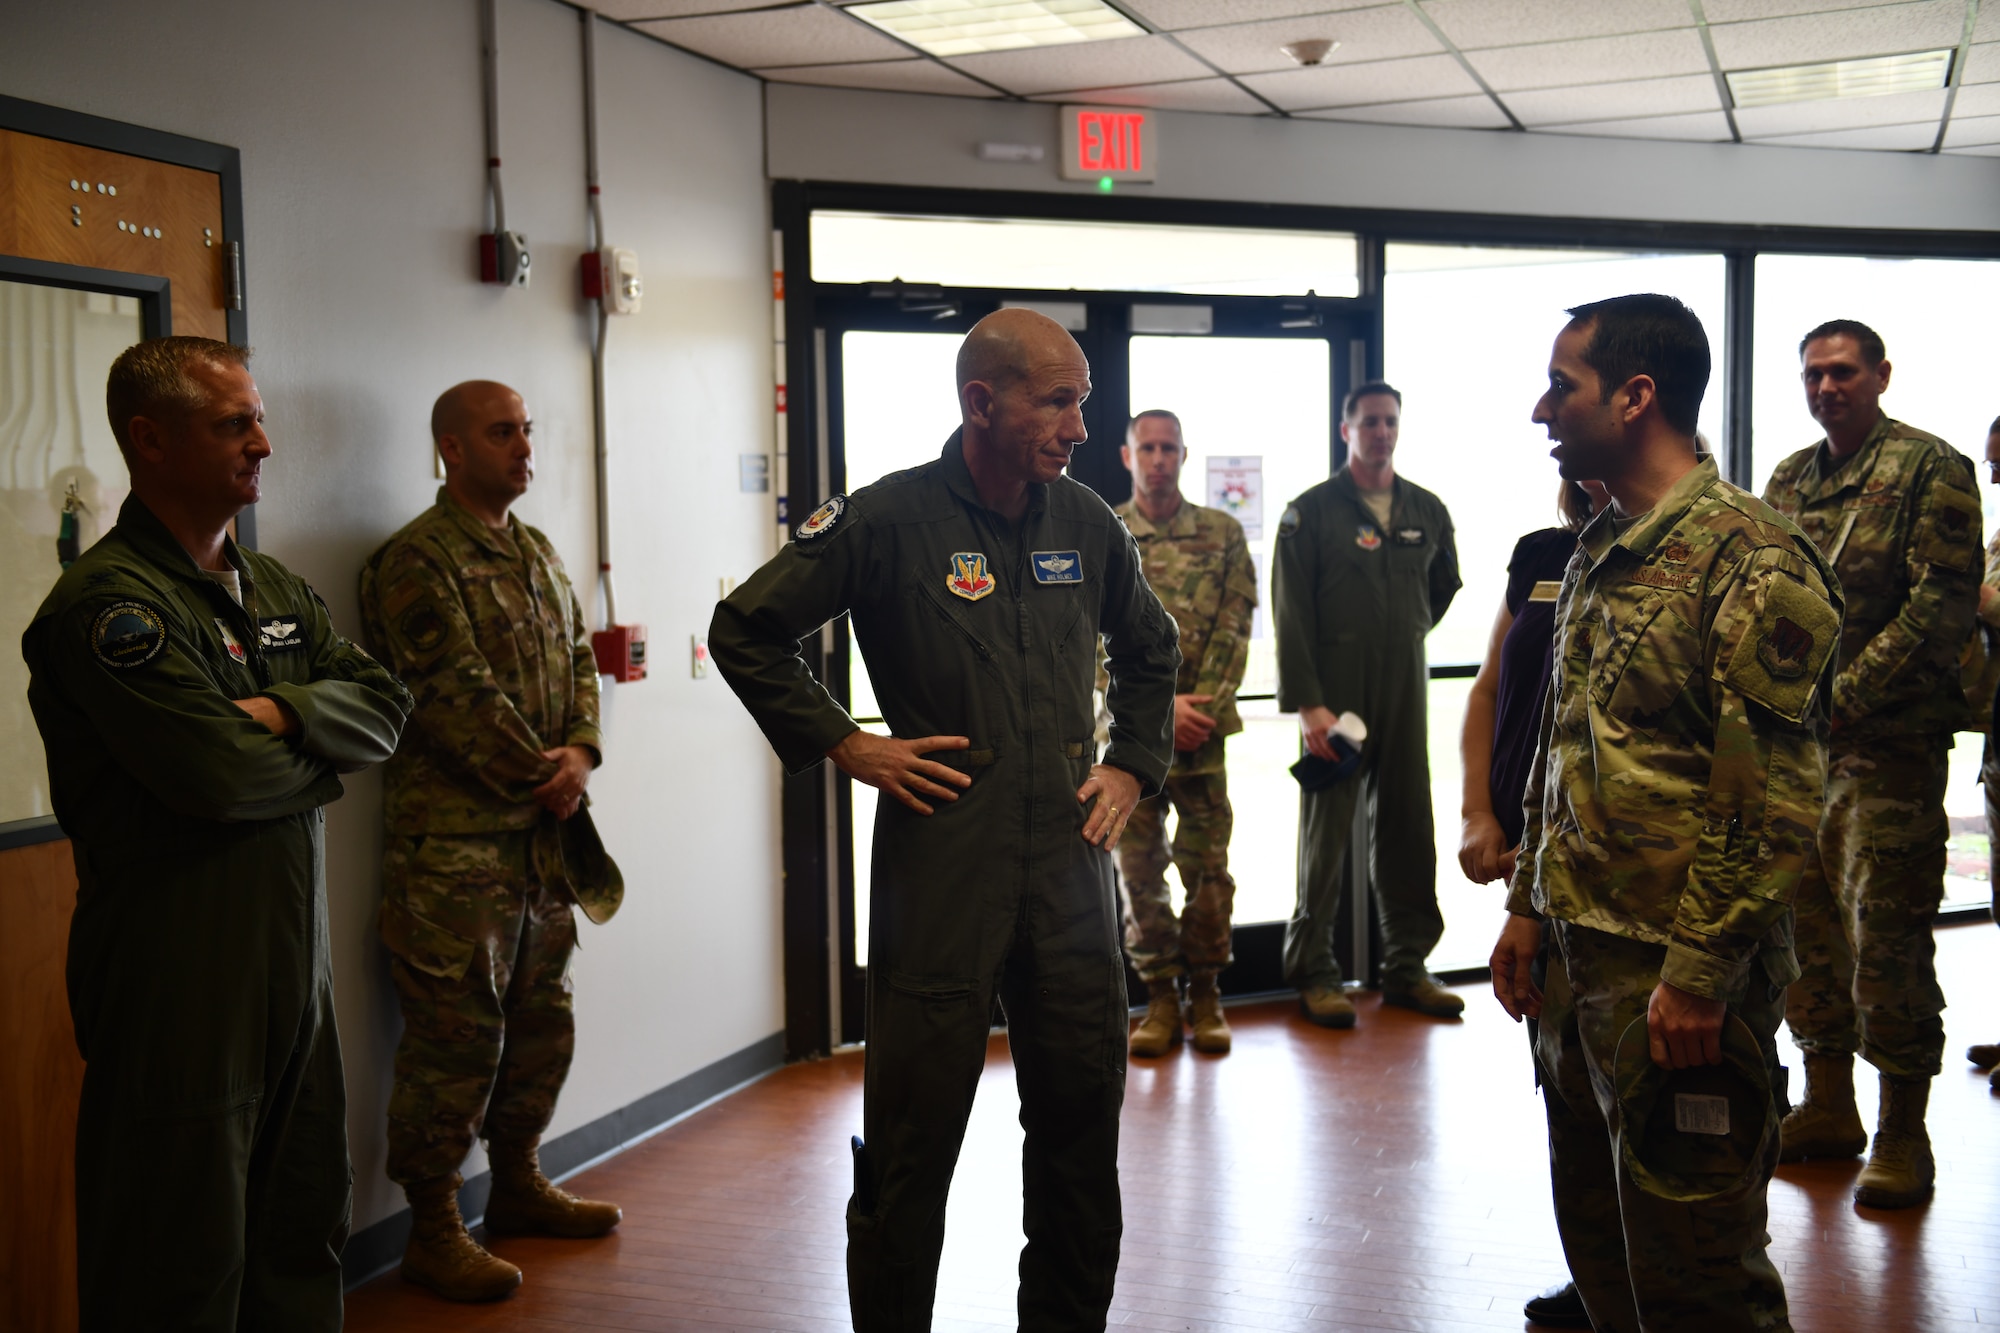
(375, 1249)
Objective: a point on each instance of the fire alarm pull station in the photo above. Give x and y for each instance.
(503, 258)
(621, 652)
(611, 278)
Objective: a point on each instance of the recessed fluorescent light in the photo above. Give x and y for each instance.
(1917, 72)
(966, 27)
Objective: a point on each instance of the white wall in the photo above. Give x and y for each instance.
(360, 129)
(837, 134)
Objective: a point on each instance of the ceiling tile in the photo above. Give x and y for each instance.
(1178, 14)
(898, 76)
(1475, 23)
(1982, 63)
(1979, 100)
(1356, 85)
(1049, 69)
(1463, 113)
(1977, 150)
(1651, 55)
(1906, 138)
(1614, 101)
(626, 11)
(801, 35)
(1384, 33)
(1190, 95)
(1879, 31)
(1700, 127)
(1972, 131)
(1840, 113)
(1736, 11)
(1987, 27)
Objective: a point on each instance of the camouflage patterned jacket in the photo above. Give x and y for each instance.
(1899, 520)
(1676, 790)
(1199, 567)
(485, 629)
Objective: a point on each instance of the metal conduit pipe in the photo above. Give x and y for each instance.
(595, 221)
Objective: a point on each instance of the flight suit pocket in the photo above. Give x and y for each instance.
(424, 945)
(938, 990)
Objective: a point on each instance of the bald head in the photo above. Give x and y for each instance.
(459, 408)
(1009, 344)
(1021, 384)
(485, 438)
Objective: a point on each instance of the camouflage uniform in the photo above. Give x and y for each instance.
(1671, 810)
(1989, 761)
(477, 878)
(1899, 520)
(1199, 566)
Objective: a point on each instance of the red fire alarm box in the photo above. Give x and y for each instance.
(621, 651)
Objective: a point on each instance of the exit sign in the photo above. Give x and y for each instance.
(1121, 143)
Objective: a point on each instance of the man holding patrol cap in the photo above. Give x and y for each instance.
(1365, 566)
(197, 706)
(489, 843)
(1896, 510)
(979, 585)
(1670, 818)
(1198, 563)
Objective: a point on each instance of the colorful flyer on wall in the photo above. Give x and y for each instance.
(1236, 487)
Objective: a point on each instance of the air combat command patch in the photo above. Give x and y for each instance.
(128, 634)
(968, 577)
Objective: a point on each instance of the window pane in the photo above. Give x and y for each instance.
(1931, 315)
(1088, 256)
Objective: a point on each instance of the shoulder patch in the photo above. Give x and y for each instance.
(128, 634)
(1289, 524)
(823, 520)
(1784, 647)
(421, 626)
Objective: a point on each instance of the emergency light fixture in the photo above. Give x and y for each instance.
(1918, 71)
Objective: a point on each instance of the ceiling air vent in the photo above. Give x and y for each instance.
(967, 27)
(1919, 71)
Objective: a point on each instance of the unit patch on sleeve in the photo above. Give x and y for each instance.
(128, 634)
(1289, 523)
(968, 577)
(823, 519)
(281, 634)
(1057, 566)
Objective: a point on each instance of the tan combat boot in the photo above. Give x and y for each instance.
(1211, 1030)
(1327, 1006)
(1426, 995)
(1900, 1171)
(441, 1257)
(1824, 1123)
(1160, 1030)
(523, 1201)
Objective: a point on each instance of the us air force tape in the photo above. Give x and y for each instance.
(823, 519)
(128, 634)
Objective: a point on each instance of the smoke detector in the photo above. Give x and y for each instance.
(1310, 51)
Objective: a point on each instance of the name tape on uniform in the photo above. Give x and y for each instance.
(280, 634)
(1057, 566)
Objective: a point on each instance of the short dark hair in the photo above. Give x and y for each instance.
(1158, 414)
(1653, 335)
(1872, 350)
(152, 376)
(1360, 391)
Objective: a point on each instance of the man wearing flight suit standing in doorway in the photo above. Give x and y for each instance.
(1365, 566)
(489, 843)
(1198, 564)
(1896, 511)
(979, 585)
(198, 706)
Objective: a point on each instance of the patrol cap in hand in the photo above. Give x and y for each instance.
(1691, 1135)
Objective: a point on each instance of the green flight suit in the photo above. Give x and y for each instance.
(477, 878)
(979, 626)
(1899, 520)
(211, 1157)
(1353, 604)
(1671, 810)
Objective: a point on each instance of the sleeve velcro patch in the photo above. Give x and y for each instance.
(1784, 649)
(1948, 534)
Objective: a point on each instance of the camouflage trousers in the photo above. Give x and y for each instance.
(1868, 958)
(1161, 944)
(480, 952)
(1643, 1262)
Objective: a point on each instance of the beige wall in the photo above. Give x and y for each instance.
(360, 129)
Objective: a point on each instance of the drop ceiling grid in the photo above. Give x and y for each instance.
(1382, 33)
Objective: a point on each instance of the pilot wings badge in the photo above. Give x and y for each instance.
(1057, 566)
(968, 577)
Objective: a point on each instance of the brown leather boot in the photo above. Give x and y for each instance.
(523, 1201)
(1900, 1172)
(1160, 1030)
(441, 1257)
(1825, 1122)
(1211, 1030)
(1985, 1055)
(1327, 1006)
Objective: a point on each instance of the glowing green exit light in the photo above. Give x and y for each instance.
(1104, 184)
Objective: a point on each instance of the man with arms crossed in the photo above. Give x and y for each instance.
(1896, 511)
(1670, 812)
(197, 705)
(1198, 563)
(489, 843)
(978, 586)
(1365, 566)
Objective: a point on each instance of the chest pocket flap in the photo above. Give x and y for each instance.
(1645, 665)
(1786, 640)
